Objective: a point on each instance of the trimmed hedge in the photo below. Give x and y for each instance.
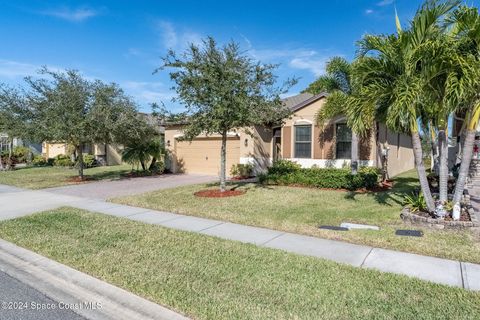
(286, 174)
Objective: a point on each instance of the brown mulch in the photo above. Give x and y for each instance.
(77, 179)
(138, 174)
(218, 194)
(241, 178)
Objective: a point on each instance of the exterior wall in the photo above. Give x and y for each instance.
(400, 154)
(323, 140)
(113, 154)
(114, 157)
(51, 150)
(256, 148)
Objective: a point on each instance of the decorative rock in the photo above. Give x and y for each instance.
(335, 228)
(456, 212)
(350, 226)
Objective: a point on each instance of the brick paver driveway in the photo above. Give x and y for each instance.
(126, 186)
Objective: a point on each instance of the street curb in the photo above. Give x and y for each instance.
(69, 286)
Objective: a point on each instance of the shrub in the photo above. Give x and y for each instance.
(242, 170)
(284, 167)
(416, 202)
(158, 167)
(39, 161)
(324, 178)
(62, 160)
(370, 176)
(22, 154)
(89, 161)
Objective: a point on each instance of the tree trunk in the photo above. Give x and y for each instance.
(105, 148)
(354, 161)
(152, 164)
(142, 163)
(10, 155)
(464, 165)
(422, 175)
(223, 160)
(80, 161)
(434, 166)
(443, 165)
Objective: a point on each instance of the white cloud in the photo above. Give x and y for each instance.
(14, 69)
(171, 38)
(133, 52)
(72, 15)
(313, 63)
(369, 11)
(385, 3)
(147, 92)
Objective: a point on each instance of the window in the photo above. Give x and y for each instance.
(303, 141)
(344, 141)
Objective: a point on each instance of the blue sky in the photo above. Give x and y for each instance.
(122, 41)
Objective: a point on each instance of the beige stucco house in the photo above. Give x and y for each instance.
(106, 154)
(298, 139)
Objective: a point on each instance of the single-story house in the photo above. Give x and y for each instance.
(299, 139)
(105, 154)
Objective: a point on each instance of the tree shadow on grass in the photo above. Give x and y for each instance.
(402, 186)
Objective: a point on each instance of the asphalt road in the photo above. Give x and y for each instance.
(28, 303)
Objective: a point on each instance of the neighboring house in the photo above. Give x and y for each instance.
(298, 139)
(105, 154)
(36, 148)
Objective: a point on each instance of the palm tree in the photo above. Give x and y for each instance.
(136, 154)
(393, 80)
(466, 87)
(142, 153)
(336, 82)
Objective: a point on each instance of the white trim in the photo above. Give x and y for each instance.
(312, 138)
(326, 163)
(300, 122)
(259, 165)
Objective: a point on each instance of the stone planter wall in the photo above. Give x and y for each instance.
(411, 218)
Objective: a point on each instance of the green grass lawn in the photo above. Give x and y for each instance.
(302, 210)
(46, 177)
(210, 278)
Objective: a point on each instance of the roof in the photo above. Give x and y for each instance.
(302, 100)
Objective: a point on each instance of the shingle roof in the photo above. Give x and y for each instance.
(301, 100)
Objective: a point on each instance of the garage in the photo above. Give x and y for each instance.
(202, 155)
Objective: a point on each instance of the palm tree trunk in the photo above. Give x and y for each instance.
(422, 175)
(223, 160)
(80, 161)
(354, 157)
(443, 164)
(464, 165)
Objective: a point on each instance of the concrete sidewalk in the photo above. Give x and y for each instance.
(449, 272)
